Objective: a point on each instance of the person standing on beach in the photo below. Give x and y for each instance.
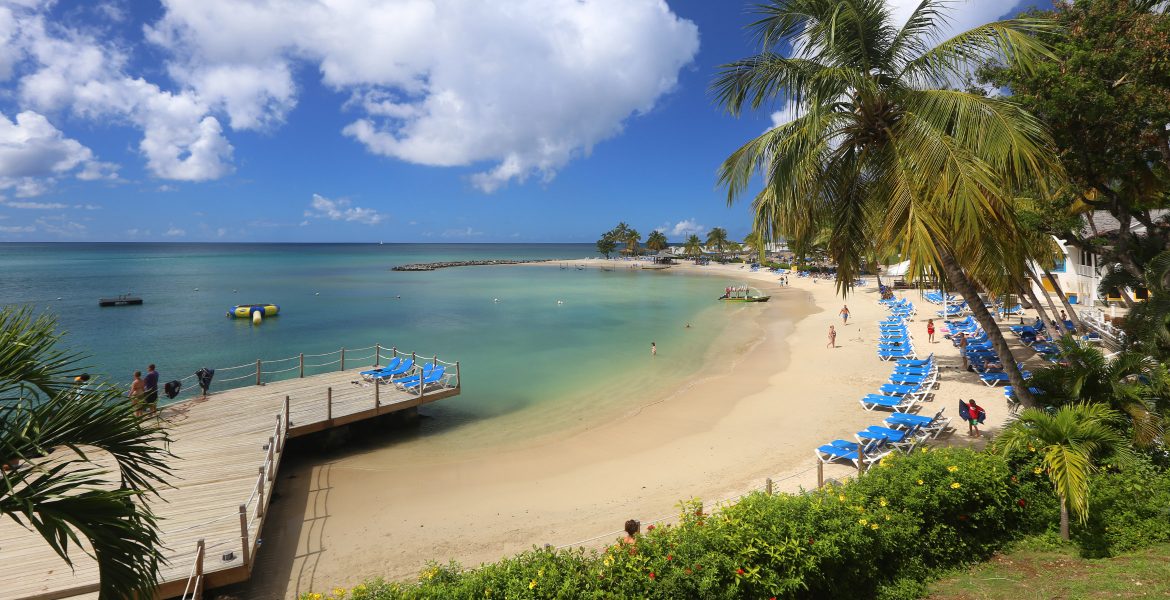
(150, 397)
(844, 315)
(137, 389)
(975, 417)
(653, 349)
(832, 337)
(930, 330)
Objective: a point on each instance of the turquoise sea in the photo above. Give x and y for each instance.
(560, 344)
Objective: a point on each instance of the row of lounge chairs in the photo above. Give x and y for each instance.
(894, 339)
(404, 374)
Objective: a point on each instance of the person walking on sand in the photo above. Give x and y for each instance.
(930, 330)
(975, 417)
(653, 349)
(832, 337)
(137, 390)
(844, 315)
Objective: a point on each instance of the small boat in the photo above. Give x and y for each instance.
(245, 311)
(123, 300)
(743, 293)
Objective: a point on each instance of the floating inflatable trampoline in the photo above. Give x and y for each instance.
(246, 311)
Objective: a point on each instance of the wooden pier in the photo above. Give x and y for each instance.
(228, 448)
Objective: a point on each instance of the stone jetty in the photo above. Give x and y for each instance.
(463, 263)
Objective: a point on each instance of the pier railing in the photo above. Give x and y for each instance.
(265, 371)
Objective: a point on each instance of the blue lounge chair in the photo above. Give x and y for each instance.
(901, 403)
(900, 439)
(390, 366)
(403, 367)
(851, 452)
(931, 426)
(427, 379)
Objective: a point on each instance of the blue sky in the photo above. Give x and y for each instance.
(369, 120)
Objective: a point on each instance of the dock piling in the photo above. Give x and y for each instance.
(329, 403)
(200, 549)
(377, 354)
(257, 371)
(271, 451)
(260, 492)
(458, 379)
(377, 395)
(244, 535)
(343, 359)
(301, 361)
(279, 434)
(287, 415)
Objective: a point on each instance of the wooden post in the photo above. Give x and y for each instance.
(301, 358)
(257, 371)
(768, 486)
(200, 548)
(244, 552)
(287, 416)
(820, 474)
(458, 378)
(343, 359)
(260, 492)
(413, 357)
(435, 361)
(394, 351)
(377, 353)
(377, 394)
(279, 434)
(271, 451)
(329, 404)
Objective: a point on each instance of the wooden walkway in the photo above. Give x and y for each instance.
(228, 448)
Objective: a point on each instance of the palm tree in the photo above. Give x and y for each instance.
(693, 246)
(631, 238)
(656, 241)
(759, 242)
(1130, 382)
(717, 239)
(1070, 442)
(883, 151)
(606, 245)
(42, 411)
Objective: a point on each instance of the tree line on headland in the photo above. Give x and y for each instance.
(629, 239)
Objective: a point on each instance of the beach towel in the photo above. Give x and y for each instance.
(964, 411)
(980, 414)
(172, 388)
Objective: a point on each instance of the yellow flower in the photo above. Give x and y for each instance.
(608, 560)
(841, 497)
(952, 468)
(339, 592)
(361, 587)
(315, 596)
(887, 517)
(955, 485)
(920, 482)
(1031, 448)
(883, 502)
(924, 450)
(532, 584)
(862, 521)
(1037, 470)
(540, 573)
(487, 593)
(874, 526)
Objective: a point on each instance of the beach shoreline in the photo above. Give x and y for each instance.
(363, 514)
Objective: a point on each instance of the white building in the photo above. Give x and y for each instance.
(1079, 274)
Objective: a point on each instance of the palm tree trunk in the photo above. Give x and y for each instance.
(1072, 314)
(965, 288)
(1063, 519)
(1052, 305)
(1034, 301)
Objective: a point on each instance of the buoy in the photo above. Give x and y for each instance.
(560, 301)
(58, 297)
(317, 294)
(256, 318)
(493, 299)
(196, 289)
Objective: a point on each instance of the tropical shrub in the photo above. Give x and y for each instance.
(1131, 510)
(877, 536)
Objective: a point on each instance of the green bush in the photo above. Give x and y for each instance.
(878, 536)
(1128, 510)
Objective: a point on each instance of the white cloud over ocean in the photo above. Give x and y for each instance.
(340, 210)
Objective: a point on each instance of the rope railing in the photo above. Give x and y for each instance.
(195, 578)
(325, 354)
(292, 368)
(315, 366)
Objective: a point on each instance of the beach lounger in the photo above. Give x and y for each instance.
(898, 439)
(931, 426)
(403, 367)
(390, 366)
(896, 403)
(994, 379)
(427, 379)
(852, 452)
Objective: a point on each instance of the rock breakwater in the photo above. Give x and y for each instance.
(463, 263)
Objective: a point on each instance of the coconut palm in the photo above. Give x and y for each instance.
(656, 241)
(1130, 382)
(693, 246)
(717, 239)
(53, 487)
(631, 239)
(1071, 442)
(883, 150)
(759, 242)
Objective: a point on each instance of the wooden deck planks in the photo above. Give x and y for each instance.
(220, 446)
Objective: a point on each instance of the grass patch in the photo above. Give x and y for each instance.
(1043, 574)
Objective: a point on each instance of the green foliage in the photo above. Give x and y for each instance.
(717, 240)
(877, 536)
(656, 240)
(43, 411)
(606, 246)
(1131, 510)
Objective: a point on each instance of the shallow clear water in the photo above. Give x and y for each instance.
(555, 363)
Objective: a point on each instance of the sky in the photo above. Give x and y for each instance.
(373, 120)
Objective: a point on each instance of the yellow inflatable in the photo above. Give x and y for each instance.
(245, 311)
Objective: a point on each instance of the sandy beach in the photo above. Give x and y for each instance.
(757, 412)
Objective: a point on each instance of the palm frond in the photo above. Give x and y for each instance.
(1013, 41)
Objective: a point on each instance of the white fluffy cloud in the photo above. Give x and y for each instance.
(340, 210)
(34, 153)
(683, 228)
(67, 70)
(173, 231)
(525, 85)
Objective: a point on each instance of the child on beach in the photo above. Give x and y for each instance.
(930, 330)
(832, 337)
(975, 417)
